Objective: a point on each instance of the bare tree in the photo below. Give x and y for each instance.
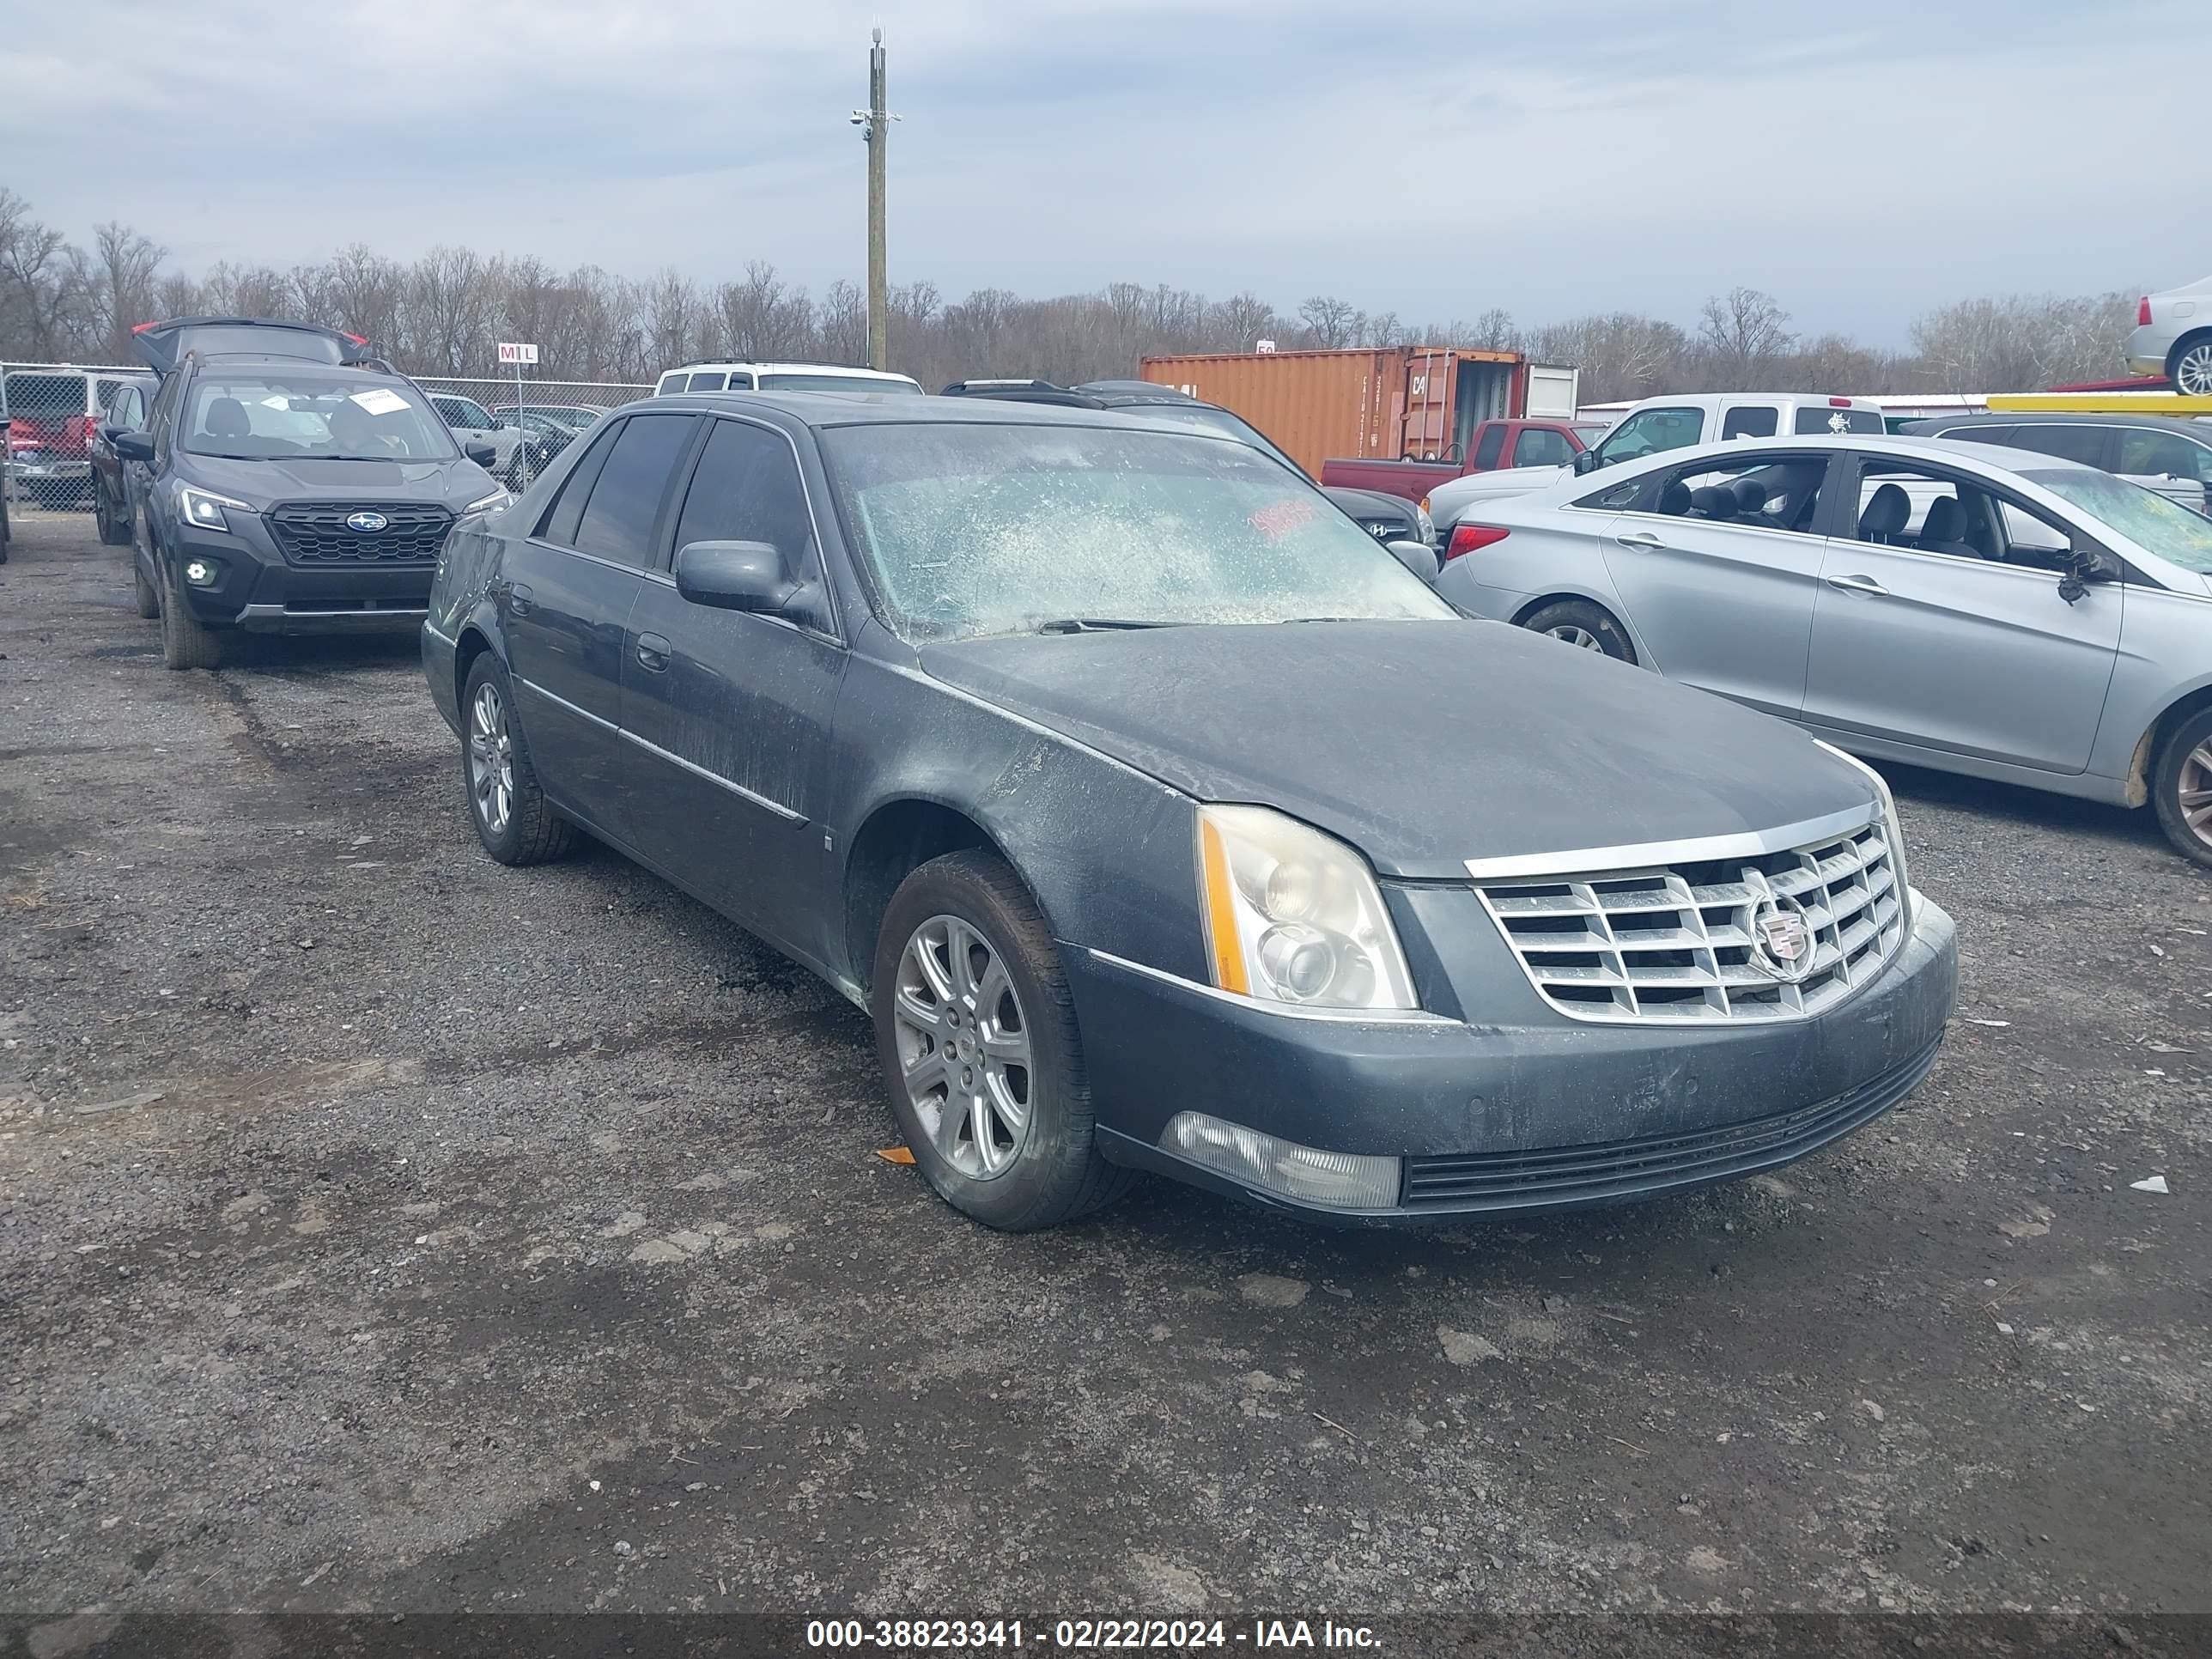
(38, 286)
(1743, 331)
(1331, 322)
(116, 285)
(1493, 332)
(1240, 323)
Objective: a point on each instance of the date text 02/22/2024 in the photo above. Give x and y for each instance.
(1083, 1635)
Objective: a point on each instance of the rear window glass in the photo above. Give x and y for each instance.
(617, 523)
(1813, 420)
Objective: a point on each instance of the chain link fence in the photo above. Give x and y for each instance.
(526, 424)
(52, 410)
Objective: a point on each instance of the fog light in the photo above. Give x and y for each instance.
(200, 572)
(1340, 1180)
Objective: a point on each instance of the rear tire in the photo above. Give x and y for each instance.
(969, 992)
(186, 641)
(149, 597)
(1580, 623)
(2190, 368)
(2181, 784)
(512, 818)
(113, 531)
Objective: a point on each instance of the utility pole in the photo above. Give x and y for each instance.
(875, 126)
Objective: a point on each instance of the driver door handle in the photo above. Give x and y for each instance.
(653, 652)
(1866, 584)
(1642, 541)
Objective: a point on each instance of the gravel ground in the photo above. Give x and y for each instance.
(383, 1228)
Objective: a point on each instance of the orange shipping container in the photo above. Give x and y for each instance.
(1368, 403)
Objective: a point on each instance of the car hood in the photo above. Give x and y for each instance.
(1423, 743)
(306, 478)
(1373, 503)
(1448, 500)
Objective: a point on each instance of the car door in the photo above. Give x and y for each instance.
(730, 711)
(1970, 651)
(1718, 563)
(564, 596)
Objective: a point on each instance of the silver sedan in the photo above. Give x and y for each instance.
(1962, 607)
(2172, 337)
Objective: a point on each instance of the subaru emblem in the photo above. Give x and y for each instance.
(367, 523)
(1782, 938)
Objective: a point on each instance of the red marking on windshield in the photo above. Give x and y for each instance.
(1278, 519)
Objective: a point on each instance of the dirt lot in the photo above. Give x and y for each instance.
(381, 1227)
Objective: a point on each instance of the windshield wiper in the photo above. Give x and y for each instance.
(1095, 624)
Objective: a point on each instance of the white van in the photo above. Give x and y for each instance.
(780, 376)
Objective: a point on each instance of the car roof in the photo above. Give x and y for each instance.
(2195, 429)
(1715, 399)
(1902, 447)
(835, 409)
(787, 368)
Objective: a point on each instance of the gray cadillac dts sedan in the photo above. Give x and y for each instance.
(1162, 820)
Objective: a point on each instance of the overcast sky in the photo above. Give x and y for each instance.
(1862, 160)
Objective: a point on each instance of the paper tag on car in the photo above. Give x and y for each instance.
(379, 400)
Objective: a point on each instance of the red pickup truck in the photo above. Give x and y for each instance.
(1493, 445)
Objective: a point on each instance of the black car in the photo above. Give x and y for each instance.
(1387, 519)
(286, 483)
(1162, 820)
(2141, 447)
(112, 510)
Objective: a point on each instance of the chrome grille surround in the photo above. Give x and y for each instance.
(1667, 939)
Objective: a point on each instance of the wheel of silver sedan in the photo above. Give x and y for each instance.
(1576, 636)
(2192, 370)
(2194, 791)
(963, 1046)
(491, 758)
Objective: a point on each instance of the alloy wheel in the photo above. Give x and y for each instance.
(2192, 371)
(2194, 787)
(491, 759)
(1575, 634)
(963, 1048)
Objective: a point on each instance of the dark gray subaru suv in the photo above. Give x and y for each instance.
(1162, 820)
(285, 483)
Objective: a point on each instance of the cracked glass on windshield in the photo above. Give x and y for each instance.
(976, 529)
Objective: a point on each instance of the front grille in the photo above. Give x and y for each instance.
(1675, 942)
(1618, 1168)
(316, 532)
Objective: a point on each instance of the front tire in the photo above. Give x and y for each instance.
(2190, 368)
(2181, 784)
(512, 818)
(186, 641)
(976, 1034)
(1581, 623)
(148, 597)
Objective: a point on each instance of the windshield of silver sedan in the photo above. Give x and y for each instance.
(975, 529)
(2150, 521)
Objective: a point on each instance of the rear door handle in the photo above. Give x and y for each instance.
(1643, 541)
(1866, 584)
(653, 652)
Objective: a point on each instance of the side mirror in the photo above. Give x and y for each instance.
(733, 576)
(481, 454)
(1586, 460)
(132, 445)
(1417, 557)
(2085, 565)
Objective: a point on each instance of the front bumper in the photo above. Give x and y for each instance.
(257, 590)
(1536, 1111)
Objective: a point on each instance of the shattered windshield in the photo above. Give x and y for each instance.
(978, 529)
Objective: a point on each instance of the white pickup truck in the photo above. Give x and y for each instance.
(1658, 423)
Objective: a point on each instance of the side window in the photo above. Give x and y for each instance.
(562, 519)
(741, 381)
(1539, 447)
(2085, 444)
(1749, 421)
(105, 392)
(1981, 435)
(1758, 492)
(1648, 431)
(1932, 511)
(1615, 498)
(747, 488)
(670, 383)
(2145, 452)
(157, 419)
(1487, 452)
(706, 383)
(625, 500)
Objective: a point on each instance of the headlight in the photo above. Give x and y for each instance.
(1427, 524)
(205, 508)
(1294, 916)
(486, 503)
(1893, 832)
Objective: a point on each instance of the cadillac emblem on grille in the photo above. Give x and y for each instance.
(1782, 938)
(367, 523)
